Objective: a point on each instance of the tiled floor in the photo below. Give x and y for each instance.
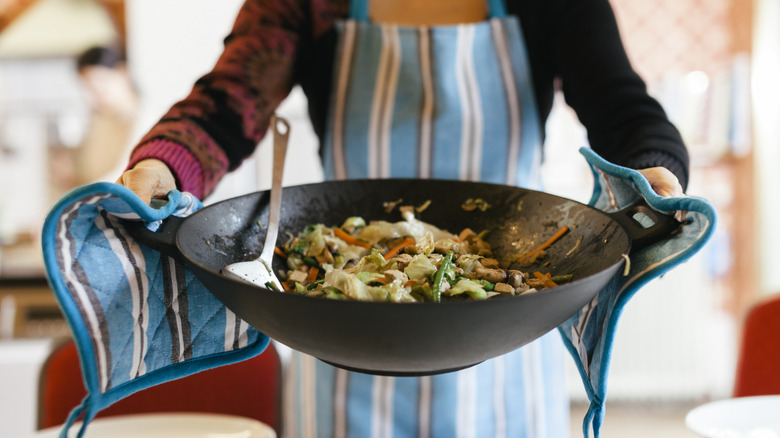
(636, 421)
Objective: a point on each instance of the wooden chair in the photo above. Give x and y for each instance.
(251, 388)
(758, 362)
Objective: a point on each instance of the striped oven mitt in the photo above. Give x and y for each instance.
(138, 318)
(589, 334)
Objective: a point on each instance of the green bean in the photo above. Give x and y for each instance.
(443, 267)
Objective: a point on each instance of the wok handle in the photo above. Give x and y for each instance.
(643, 224)
(162, 240)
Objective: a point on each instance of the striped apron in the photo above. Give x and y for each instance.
(446, 102)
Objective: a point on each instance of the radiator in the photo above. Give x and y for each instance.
(674, 343)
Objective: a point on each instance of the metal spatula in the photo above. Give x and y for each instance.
(260, 271)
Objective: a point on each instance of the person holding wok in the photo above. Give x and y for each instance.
(455, 89)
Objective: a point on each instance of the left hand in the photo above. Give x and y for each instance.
(663, 182)
(149, 178)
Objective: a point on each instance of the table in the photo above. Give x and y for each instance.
(168, 425)
(741, 417)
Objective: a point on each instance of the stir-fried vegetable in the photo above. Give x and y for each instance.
(445, 267)
(405, 261)
(532, 255)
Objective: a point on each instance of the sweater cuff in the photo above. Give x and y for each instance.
(186, 169)
(644, 160)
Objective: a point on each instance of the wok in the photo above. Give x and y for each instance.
(416, 338)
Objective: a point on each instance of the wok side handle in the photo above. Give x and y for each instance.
(162, 240)
(644, 225)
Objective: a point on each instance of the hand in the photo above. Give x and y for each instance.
(663, 182)
(149, 179)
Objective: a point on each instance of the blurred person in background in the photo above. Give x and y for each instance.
(113, 103)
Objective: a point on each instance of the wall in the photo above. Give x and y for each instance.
(56, 27)
(767, 132)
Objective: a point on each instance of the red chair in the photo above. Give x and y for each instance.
(251, 388)
(758, 363)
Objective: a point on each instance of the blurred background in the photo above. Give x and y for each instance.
(712, 64)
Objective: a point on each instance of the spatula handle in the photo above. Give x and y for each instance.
(281, 132)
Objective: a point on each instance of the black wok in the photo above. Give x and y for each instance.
(419, 338)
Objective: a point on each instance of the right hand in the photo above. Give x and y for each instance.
(149, 179)
(663, 182)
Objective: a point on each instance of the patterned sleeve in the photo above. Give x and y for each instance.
(219, 123)
(625, 124)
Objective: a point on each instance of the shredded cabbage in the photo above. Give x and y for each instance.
(352, 271)
(472, 288)
(420, 268)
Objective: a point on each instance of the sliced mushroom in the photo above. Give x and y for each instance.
(333, 247)
(442, 246)
(325, 257)
(407, 212)
(503, 288)
(393, 274)
(536, 283)
(403, 260)
(491, 275)
(515, 278)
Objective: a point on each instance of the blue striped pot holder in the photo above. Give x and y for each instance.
(138, 318)
(589, 334)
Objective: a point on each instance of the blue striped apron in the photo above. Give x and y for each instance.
(447, 102)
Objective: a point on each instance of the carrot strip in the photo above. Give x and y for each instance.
(545, 279)
(465, 233)
(279, 252)
(313, 271)
(564, 229)
(343, 235)
(404, 243)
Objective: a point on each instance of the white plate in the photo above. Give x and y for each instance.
(189, 425)
(742, 417)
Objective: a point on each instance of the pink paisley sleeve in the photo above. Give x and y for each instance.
(219, 123)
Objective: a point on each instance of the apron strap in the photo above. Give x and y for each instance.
(358, 9)
(496, 8)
